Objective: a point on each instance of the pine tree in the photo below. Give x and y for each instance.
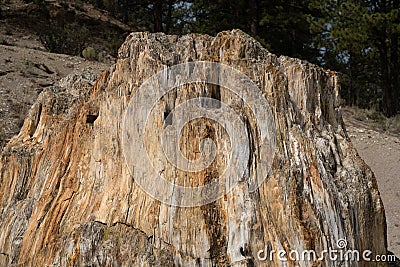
(360, 39)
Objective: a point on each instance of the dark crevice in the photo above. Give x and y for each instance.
(3, 73)
(168, 116)
(244, 253)
(22, 187)
(44, 68)
(100, 222)
(215, 95)
(194, 48)
(252, 147)
(91, 118)
(8, 256)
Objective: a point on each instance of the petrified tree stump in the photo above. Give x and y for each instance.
(74, 184)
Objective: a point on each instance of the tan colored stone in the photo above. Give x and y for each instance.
(68, 198)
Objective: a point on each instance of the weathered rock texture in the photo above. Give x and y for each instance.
(68, 199)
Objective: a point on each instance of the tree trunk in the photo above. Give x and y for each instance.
(253, 17)
(157, 14)
(168, 19)
(395, 64)
(387, 98)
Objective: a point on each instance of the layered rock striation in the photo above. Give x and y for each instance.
(71, 196)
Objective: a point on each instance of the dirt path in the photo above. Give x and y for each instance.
(381, 151)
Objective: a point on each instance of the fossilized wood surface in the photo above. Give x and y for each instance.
(68, 199)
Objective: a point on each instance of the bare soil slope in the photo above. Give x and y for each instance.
(26, 68)
(381, 151)
(24, 73)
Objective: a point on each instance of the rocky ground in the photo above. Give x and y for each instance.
(380, 149)
(24, 73)
(26, 67)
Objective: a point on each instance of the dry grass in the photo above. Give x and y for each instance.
(374, 119)
(396, 122)
(391, 124)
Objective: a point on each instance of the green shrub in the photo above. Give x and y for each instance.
(89, 53)
(377, 116)
(69, 39)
